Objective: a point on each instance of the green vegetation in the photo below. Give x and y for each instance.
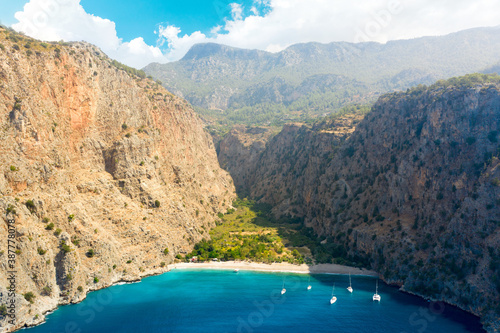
(166, 251)
(90, 253)
(65, 247)
(240, 237)
(13, 168)
(80, 288)
(41, 251)
(75, 240)
(132, 71)
(30, 205)
(96, 280)
(57, 232)
(467, 81)
(157, 203)
(3, 310)
(10, 209)
(249, 231)
(30, 297)
(50, 226)
(47, 291)
(71, 217)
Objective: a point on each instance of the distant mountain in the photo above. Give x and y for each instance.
(495, 69)
(320, 77)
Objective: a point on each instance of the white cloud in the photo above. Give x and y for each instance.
(55, 20)
(286, 22)
(295, 21)
(178, 46)
(236, 11)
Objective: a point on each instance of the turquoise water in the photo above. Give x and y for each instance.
(224, 301)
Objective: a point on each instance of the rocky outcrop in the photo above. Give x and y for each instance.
(106, 174)
(413, 191)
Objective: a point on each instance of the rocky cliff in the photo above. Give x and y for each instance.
(414, 190)
(106, 175)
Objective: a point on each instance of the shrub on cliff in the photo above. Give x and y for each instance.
(47, 291)
(65, 247)
(29, 296)
(30, 205)
(3, 310)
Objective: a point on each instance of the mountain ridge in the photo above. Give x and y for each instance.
(215, 76)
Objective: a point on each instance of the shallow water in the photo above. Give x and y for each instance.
(224, 301)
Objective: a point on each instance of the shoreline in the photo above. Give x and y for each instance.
(276, 267)
(251, 266)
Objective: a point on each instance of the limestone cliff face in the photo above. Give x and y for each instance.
(415, 190)
(121, 168)
(240, 152)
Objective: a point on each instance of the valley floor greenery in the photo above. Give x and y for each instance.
(250, 232)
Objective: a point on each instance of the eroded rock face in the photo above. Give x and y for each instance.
(414, 191)
(240, 152)
(121, 167)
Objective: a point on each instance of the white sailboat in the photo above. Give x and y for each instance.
(309, 284)
(283, 290)
(333, 299)
(236, 270)
(376, 296)
(350, 284)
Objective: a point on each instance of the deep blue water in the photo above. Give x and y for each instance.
(224, 301)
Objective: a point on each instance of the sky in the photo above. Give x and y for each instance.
(139, 32)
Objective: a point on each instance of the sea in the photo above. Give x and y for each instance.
(221, 301)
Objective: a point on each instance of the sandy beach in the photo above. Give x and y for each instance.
(275, 267)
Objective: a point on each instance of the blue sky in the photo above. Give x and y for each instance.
(140, 32)
(141, 18)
